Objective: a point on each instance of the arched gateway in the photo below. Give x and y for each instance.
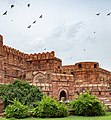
(63, 94)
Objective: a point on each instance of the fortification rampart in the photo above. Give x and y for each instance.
(40, 56)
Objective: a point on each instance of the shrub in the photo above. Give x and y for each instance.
(22, 91)
(62, 110)
(48, 107)
(16, 110)
(87, 105)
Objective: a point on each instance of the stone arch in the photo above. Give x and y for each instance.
(39, 77)
(39, 80)
(63, 93)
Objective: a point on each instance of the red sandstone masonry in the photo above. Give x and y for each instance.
(46, 71)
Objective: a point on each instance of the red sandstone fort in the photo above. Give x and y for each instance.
(47, 72)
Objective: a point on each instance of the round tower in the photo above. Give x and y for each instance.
(81, 66)
(86, 73)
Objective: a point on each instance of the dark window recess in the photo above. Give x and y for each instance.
(58, 67)
(30, 62)
(20, 76)
(24, 76)
(79, 65)
(95, 65)
(48, 93)
(60, 71)
(77, 93)
(47, 61)
(72, 73)
(64, 72)
(99, 93)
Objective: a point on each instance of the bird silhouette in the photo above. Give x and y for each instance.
(12, 6)
(44, 48)
(34, 22)
(98, 14)
(5, 13)
(28, 5)
(84, 49)
(40, 16)
(94, 32)
(108, 14)
(29, 26)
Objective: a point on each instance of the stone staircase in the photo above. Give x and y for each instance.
(106, 101)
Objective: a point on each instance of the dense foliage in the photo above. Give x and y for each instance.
(22, 91)
(48, 107)
(87, 105)
(16, 110)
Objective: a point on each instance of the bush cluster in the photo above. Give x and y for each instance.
(87, 105)
(16, 110)
(48, 107)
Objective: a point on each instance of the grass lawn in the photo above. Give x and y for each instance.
(106, 117)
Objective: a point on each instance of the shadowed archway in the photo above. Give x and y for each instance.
(62, 94)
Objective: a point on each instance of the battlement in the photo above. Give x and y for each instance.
(40, 56)
(13, 51)
(35, 56)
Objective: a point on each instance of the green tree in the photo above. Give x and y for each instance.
(21, 90)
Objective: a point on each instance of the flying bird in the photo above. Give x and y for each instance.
(98, 14)
(44, 48)
(29, 26)
(40, 16)
(108, 14)
(94, 32)
(34, 22)
(5, 13)
(28, 5)
(12, 6)
(84, 49)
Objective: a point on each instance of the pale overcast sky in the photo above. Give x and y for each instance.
(71, 28)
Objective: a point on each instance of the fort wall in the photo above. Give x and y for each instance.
(46, 71)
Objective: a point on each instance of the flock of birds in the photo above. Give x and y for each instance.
(28, 5)
(29, 26)
(100, 13)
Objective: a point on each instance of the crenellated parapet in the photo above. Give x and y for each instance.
(13, 51)
(41, 56)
